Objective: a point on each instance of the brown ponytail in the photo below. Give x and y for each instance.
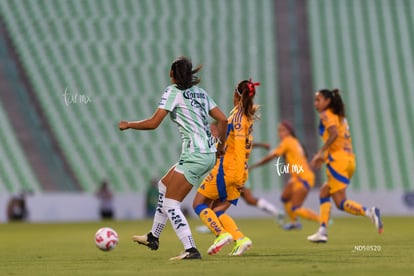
(247, 90)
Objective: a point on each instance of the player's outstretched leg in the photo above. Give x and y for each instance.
(376, 219)
(321, 236)
(148, 240)
(160, 218)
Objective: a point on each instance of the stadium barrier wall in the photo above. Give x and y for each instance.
(71, 207)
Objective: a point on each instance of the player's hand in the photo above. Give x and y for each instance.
(261, 145)
(123, 125)
(240, 188)
(252, 167)
(220, 153)
(266, 146)
(318, 160)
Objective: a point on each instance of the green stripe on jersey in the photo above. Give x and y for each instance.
(190, 111)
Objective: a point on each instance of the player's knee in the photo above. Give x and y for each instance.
(295, 208)
(170, 204)
(324, 191)
(219, 213)
(323, 200)
(340, 204)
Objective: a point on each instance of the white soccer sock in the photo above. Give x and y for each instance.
(368, 212)
(322, 230)
(160, 218)
(267, 207)
(178, 221)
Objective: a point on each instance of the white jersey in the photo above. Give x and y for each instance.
(189, 109)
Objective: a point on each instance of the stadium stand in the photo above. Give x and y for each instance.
(117, 54)
(15, 173)
(39, 149)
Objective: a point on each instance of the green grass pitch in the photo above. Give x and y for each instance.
(69, 249)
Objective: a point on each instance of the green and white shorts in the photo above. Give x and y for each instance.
(195, 166)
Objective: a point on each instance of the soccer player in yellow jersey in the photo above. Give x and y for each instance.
(302, 177)
(247, 194)
(222, 187)
(337, 153)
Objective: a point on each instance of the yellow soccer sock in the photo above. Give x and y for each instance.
(289, 212)
(325, 211)
(230, 226)
(306, 213)
(209, 218)
(352, 207)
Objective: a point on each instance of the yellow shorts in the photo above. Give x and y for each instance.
(299, 182)
(217, 186)
(339, 169)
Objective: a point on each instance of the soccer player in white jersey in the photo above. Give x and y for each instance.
(189, 107)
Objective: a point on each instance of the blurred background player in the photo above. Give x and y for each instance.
(338, 155)
(106, 198)
(302, 177)
(17, 208)
(260, 202)
(190, 108)
(222, 187)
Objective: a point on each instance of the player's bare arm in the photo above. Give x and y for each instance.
(319, 157)
(147, 124)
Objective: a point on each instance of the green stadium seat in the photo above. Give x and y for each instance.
(118, 53)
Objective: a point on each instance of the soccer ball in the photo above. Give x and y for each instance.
(106, 239)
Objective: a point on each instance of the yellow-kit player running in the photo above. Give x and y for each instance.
(223, 185)
(302, 177)
(247, 194)
(337, 153)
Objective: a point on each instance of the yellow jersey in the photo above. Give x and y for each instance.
(231, 171)
(295, 158)
(343, 143)
(239, 145)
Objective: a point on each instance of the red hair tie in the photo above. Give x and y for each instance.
(251, 86)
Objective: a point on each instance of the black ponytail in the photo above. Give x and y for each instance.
(183, 73)
(336, 105)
